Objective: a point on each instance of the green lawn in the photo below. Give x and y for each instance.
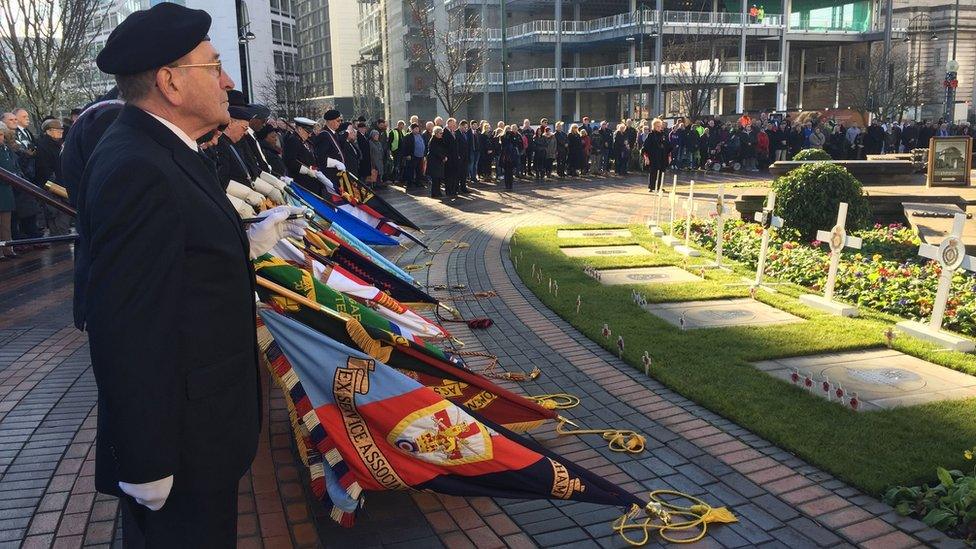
(871, 450)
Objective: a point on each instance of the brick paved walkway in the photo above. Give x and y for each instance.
(47, 395)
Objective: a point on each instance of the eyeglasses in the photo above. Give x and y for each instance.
(215, 65)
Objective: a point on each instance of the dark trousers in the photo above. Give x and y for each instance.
(435, 186)
(561, 165)
(451, 184)
(655, 178)
(509, 176)
(540, 166)
(187, 520)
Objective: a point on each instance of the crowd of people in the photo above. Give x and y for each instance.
(444, 156)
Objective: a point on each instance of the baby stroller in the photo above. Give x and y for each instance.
(721, 159)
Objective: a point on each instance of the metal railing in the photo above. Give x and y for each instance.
(624, 71)
(624, 20)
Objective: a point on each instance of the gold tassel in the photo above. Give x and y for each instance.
(368, 345)
(557, 401)
(660, 518)
(619, 440)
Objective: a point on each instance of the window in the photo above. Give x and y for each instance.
(821, 65)
(276, 32)
(843, 63)
(859, 63)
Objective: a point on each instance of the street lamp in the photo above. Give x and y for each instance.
(919, 23)
(952, 69)
(244, 37)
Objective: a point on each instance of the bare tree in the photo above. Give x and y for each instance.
(885, 91)
(282, 93)
(453, 64)
(695, 66)
(41, 43)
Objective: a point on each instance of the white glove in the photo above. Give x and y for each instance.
(325, 181)
(278, 184)
(245, 193)
(274, 226)
(305, 170)
(269, 190)
(242, 208)
(151, 494)
(333, 163)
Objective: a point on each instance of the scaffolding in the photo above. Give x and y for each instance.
(367, 88)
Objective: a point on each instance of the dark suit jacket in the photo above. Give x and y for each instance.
(80, 141)
(453, 143)
(250, 143)
(250, 163)
(164, 285)
(275, 163)
(329, 145)
(230, 163)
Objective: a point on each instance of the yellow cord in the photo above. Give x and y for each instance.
(660, 518)
(620, 440)
(557, 401)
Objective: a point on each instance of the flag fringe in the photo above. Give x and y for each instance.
(367, 344)
(660, 515)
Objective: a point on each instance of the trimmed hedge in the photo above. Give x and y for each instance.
(812, 154)
(807, 198)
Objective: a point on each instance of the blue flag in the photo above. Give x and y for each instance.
(350, 224)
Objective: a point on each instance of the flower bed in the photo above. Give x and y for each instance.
(886, 274)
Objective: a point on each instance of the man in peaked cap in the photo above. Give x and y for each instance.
(299, 157)
(165, 287)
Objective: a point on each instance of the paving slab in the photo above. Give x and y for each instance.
(593, 233)
(646, 275)
(720, 313)
(882, 379)
(606, 251)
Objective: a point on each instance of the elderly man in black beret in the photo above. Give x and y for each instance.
(329, 151)
(165, 287)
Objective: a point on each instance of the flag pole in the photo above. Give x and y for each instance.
(294, 296)
(15, 180)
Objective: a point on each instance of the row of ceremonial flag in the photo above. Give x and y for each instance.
(376, 403)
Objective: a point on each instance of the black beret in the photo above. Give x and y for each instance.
(153, 38)
(240, 113)
(237, 106)
(260, 111)
(331, 114)
(263, 132)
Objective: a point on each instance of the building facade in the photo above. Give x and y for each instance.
(328, 46)
(619, 58)
(256, 40)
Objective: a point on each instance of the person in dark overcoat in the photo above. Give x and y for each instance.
(299, 157)
(437, 154)
(164, 286)
(656, 153)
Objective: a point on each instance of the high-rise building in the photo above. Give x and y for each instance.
(328, 45)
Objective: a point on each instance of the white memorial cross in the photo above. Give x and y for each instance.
(670, 240)
(656, 226)
(768, 220)
(951, 255)
(837, 239)
(686, 249)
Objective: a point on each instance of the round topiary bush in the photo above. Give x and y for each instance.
(807, 198)
(812, 154)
